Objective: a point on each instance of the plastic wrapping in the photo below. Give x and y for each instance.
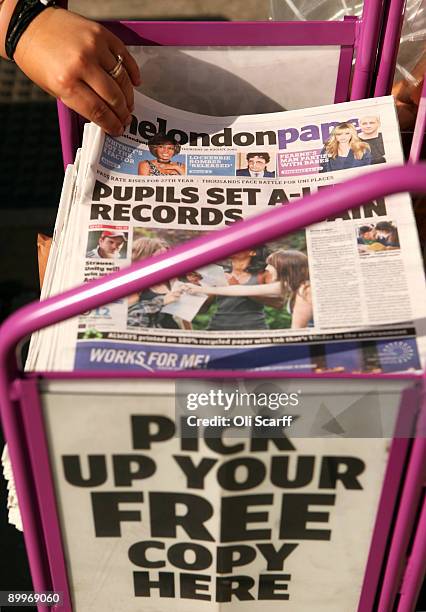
(413, 36)
(330, 10)
(413, 41)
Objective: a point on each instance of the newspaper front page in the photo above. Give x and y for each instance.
(221, 523)
(343, 295)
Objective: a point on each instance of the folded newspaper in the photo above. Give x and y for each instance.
(343, 295)
(205, 523)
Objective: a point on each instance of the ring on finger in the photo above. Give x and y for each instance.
(115, 72)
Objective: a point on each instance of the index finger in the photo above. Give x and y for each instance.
(87, 103)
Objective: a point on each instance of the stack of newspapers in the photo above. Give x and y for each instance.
(344, 295)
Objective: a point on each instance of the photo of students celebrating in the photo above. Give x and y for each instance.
(345, 150)
(288, 272)
(267, 287)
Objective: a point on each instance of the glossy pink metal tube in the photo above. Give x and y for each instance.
(200, 252)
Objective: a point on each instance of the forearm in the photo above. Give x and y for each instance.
(34, 33)
(132, 299)
(302, 311)
(143, 169)
(6, 11)
(270, 290)
(73, 59)
(276, 302)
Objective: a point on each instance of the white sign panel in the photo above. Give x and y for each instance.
(150, 520)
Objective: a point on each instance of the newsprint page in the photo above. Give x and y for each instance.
(343, 295)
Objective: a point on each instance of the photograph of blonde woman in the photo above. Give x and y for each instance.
(344, 150)
(288, 278)
(163, 149)
(145, 308)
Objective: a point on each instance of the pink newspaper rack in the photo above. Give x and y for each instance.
(396, 560)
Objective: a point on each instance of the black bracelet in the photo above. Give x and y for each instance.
(25, 11)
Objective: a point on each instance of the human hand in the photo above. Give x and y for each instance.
(194, 289)
(170, 168)
(70, 57)
(176, 168)
(406, 105)
(172, 296)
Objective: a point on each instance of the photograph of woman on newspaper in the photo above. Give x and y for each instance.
(242, 310)
(163, 149)
(288, 278)
(344, 149)
(145, 308)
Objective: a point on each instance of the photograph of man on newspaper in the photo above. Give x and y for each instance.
(256, 165)
(107, 244)
(370, 126)
(258, 289)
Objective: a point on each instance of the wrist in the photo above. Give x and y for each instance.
(26, 11)
(6, 11)
(25, 41)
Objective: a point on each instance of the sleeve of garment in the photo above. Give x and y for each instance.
(140, 314)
